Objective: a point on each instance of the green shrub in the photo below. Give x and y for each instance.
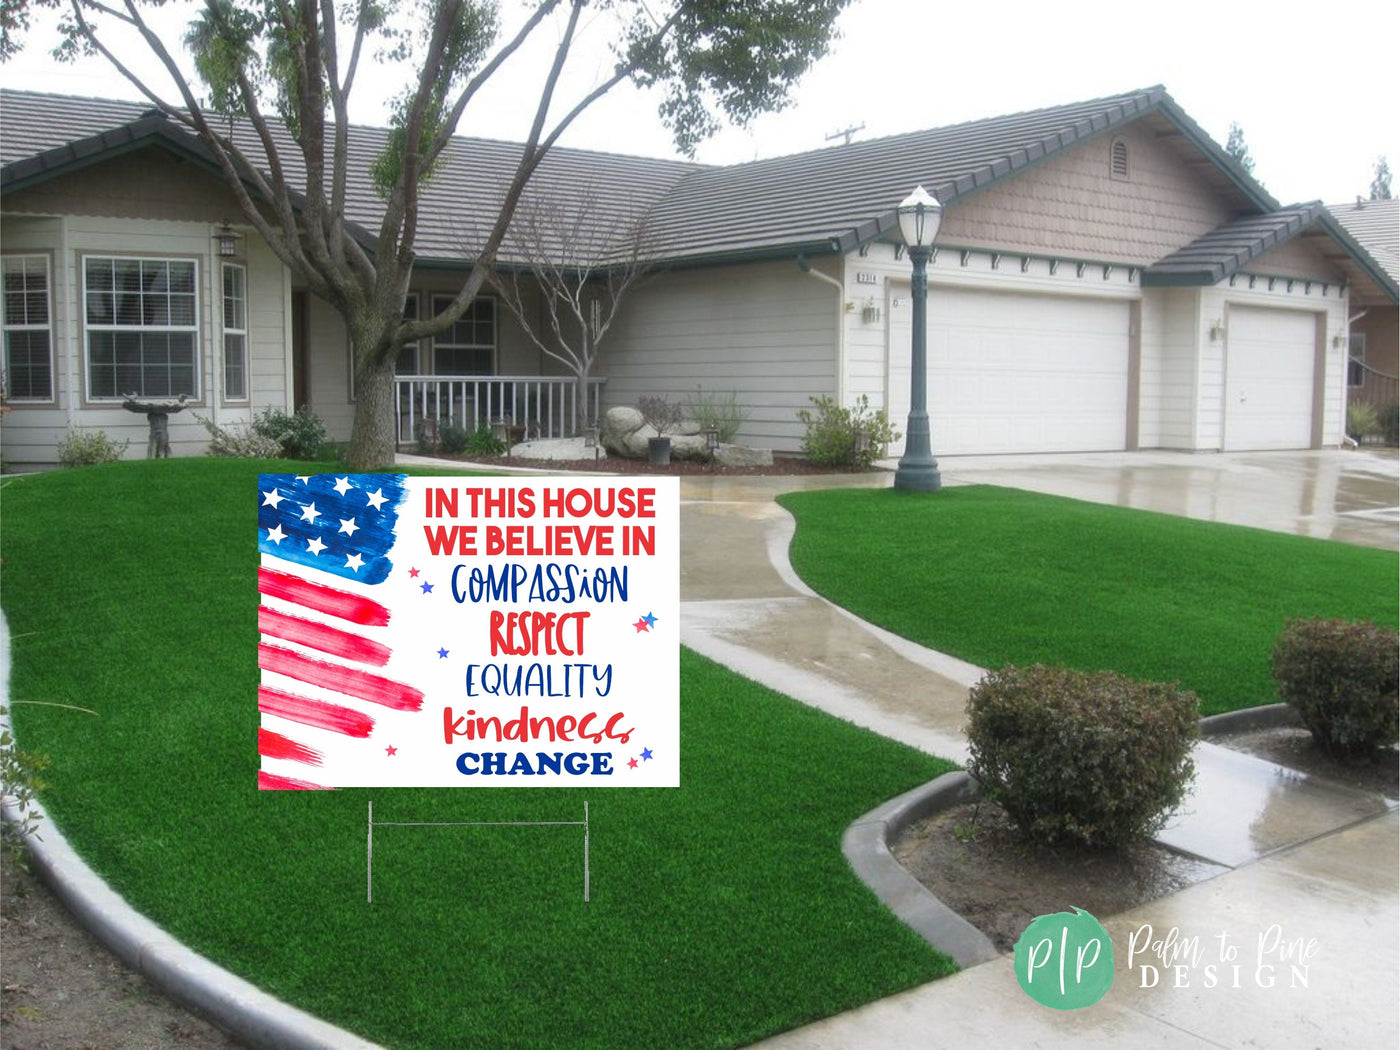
(720, 411)
(20, 782)
(1363, 420)
(82, 448)
(455, 440)
(300, 436)
(238, 441)
(1340, 677)
(1390, 424)
(1092, 759)
(830, 440)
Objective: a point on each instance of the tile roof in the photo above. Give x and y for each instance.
(1227, 249)
(1376, 226)
(826, 200)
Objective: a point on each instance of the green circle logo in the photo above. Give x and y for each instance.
(1065, 961)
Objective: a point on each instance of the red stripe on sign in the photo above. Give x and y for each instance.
(319, 636)
(328, 600)
(316, 713)
(344, 680)
(275, 745)
(272, 782)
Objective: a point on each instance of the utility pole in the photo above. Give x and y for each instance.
(846, 133)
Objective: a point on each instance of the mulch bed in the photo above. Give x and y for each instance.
(782, 466)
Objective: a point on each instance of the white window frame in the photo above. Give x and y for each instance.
(9, 325)
(90, 328)
(440, 303)
(235, 331)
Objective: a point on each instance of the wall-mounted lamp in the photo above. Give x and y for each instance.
(1339, 340)
(870, 312)
(227, 238)
(1217, 331)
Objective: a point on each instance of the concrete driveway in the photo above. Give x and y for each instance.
(1335, 494)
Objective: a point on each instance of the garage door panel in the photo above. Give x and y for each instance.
(1269, 379)
(1018, 373)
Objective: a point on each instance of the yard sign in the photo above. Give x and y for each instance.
(468, 632)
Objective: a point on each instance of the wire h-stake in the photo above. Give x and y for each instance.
(369, 842)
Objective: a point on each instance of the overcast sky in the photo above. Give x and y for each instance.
(1312, 86)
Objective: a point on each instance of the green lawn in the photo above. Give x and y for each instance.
(997, 576)
(722, 911)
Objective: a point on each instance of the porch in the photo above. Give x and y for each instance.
(529, 407)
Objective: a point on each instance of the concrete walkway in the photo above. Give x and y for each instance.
(1301, 858)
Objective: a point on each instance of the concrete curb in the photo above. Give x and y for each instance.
(1271, 716)
(866, 846)
(240, 1008)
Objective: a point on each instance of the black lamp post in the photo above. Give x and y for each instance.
(919, 217)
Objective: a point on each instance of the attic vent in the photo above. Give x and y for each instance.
(1118, 159)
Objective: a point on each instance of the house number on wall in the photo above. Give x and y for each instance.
(865, 278)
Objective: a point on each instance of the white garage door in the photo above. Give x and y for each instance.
(1269, 378)
(1016, 373)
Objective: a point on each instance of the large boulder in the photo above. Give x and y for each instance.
(743, 456)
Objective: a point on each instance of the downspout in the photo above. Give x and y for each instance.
(805, 265)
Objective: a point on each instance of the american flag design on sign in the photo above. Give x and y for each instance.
(325, 541)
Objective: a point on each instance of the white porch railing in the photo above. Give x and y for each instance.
(531, 406)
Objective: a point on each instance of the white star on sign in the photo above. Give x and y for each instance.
(348, 527)
(377, 498)
(305, 479)
(342, 485)
(315, 546)
(276, 535)
(354, 562)
(309, 512)
(271, 499)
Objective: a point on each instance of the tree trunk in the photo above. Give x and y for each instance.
(585, 411)
(372, 440)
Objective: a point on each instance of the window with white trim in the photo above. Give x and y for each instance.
(468, 348)
(28, 326)
(235, 332)
(142, 326)
(406, 364)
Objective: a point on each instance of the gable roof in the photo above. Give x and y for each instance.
(1376, 226)
(822, 201)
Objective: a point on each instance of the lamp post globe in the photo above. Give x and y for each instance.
(919, 217)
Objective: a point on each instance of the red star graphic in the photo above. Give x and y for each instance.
(391, 750)
(631, 763)
(642, 625)
(413, 572)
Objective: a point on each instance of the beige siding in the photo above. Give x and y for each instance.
(148, 184)
(1070, 205)
(765, 330)
(1168, 383)
(1296, 258)
(32, 433)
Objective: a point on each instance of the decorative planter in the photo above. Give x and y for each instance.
(659, 451)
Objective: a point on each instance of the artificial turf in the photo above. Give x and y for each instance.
(997, 576)
(721, 912)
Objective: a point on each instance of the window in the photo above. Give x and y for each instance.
(468, 348)
(407, 362)
(1118, 159)
(142, 327)
(28, 328)
(235, 332)
(1356, 360)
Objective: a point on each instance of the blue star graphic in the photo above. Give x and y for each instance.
(442, 654)
(427, 588)
(650, 619)
(646, 753)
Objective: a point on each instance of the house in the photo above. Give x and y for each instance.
(1106, 278)
(1375, 321)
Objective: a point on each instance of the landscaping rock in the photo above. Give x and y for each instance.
(743, 456)
(624, 433)
(551, 449)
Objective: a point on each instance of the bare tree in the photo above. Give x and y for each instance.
(581, 263)
(286, 69)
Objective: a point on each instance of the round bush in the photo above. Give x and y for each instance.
(1094, 759)
(1340, 678)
